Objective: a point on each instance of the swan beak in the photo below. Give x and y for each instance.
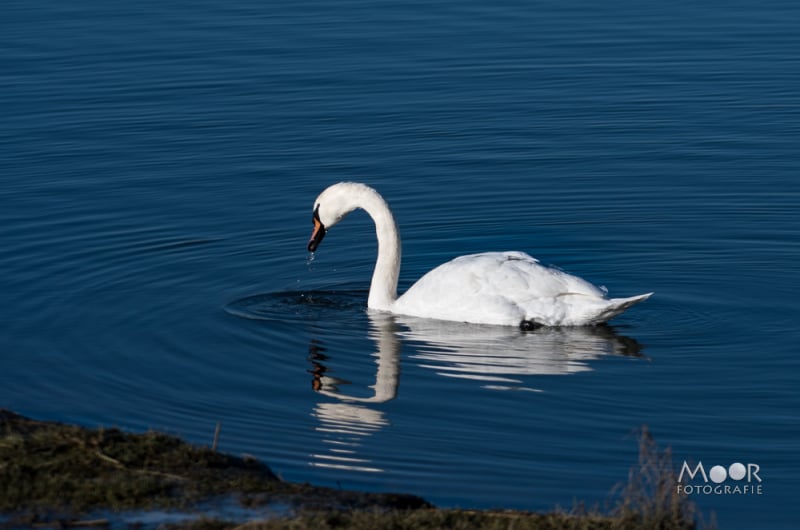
(318, 233)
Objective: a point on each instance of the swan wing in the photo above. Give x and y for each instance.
(506, 288)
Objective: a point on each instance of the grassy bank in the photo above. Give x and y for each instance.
(52, 473)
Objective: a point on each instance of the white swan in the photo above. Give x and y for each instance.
(500, 288)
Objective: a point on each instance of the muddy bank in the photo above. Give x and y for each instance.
(55, 474)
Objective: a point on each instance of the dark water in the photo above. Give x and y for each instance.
(159, 161)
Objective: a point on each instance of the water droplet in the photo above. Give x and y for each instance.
(310, 259)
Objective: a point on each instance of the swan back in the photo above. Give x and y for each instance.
(506, 288)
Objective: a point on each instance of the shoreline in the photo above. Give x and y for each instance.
(60, 475)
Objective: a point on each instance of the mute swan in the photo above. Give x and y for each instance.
(500, 288)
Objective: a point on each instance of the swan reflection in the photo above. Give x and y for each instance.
(383, 332)
(346, 422)
(496, 357)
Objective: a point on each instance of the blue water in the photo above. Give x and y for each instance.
(158, 165)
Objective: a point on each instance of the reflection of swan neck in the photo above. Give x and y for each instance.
(383, 290)
(388, 360)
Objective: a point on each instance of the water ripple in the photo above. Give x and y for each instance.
(298, 306)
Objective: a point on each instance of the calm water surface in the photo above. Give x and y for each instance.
(159, 162)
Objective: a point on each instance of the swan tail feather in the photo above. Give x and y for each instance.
(616, 306)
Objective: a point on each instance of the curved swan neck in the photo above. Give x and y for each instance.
(383, 289)
(334, 204)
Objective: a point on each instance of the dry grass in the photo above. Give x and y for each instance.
(650, 497)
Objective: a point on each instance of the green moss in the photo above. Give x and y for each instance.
(431, 519)
(49, 467)
(52, 466)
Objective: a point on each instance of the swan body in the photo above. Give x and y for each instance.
(500, 288)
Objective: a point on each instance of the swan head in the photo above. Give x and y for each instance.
(332, 205)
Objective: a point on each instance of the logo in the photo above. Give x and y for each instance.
(736, 479)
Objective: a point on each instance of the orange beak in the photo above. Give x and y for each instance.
(317, 234)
